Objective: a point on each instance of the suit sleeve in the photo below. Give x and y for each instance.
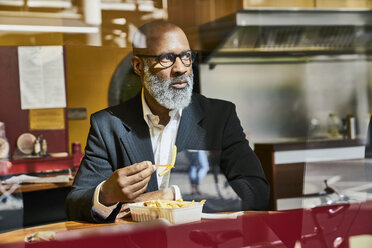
(94, 168)
(242, 167)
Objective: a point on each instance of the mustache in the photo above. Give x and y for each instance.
(181, 78)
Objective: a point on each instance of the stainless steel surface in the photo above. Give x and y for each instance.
(294, 33)
(292, 100)
(304, 17)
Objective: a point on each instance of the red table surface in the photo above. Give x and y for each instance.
(327, 226)
(34, 165)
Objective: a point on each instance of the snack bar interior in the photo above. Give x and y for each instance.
(199, 123)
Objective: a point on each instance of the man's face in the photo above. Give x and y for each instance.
(165, 92)
(171, 87)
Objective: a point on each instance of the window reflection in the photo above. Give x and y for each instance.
(198, 174)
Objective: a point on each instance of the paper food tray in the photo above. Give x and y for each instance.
(141, 213)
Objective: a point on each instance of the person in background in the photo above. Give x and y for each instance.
(368, 146)
(125, 141)
(199, 167)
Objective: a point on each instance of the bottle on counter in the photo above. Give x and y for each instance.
(334, 125)
(44, 148)
(351, 127)
(37, 147)
(77, 154)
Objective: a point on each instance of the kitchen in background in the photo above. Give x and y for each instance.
(287, 100)
(290, 72)
(301, 81)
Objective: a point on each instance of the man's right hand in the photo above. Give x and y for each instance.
(126, 184)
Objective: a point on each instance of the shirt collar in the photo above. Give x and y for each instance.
(174, 113)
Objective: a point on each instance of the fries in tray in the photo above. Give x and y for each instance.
(174, 154)
(171, 204)
(176, 212)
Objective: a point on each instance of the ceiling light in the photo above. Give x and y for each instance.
(50, 4)
(119, 21)
(54, 29)
(118, 6)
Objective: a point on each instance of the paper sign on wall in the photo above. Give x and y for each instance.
(47, 119)
(41, 77)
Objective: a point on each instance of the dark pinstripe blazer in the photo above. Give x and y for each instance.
(119, 137)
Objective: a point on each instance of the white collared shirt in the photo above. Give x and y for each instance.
(163, 138)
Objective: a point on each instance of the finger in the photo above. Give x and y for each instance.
(122, 214)
(124, 211)
(124, 207)
(130, 191)
(137, 186)
(139, 192)
(138, 177)
(136, 168)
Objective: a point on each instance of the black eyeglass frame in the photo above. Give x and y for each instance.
(158, 57)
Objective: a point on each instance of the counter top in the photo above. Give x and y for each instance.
(302, 143)
(34, 165)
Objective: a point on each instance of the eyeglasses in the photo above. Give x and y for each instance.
(167, 59)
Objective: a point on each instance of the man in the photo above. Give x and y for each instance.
(125, 141)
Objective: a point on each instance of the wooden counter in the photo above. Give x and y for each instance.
(19, 235)
(284, 162)
(316, 227)
(299, 144)
(38, 186)
(42, 203)
(30, 187)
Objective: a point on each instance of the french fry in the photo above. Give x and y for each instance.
(164, 165)
(174, 154)
(164, 172)
(173, 161)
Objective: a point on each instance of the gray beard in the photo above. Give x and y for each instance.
(167, 96)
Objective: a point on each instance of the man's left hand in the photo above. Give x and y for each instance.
(163, 194)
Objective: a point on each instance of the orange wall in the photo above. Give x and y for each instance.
(89, 70)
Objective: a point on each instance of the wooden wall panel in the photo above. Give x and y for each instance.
(289, 180)
(189, 15)
(31, 39)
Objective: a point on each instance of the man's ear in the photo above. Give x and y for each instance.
(137, 65)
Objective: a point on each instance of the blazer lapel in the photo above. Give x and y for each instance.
(190, 134)
(136, 140)
(139, 149)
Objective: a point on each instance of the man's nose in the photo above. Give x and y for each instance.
(178, 67)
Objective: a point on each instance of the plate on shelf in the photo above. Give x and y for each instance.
(4, 148)
(25, 143)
